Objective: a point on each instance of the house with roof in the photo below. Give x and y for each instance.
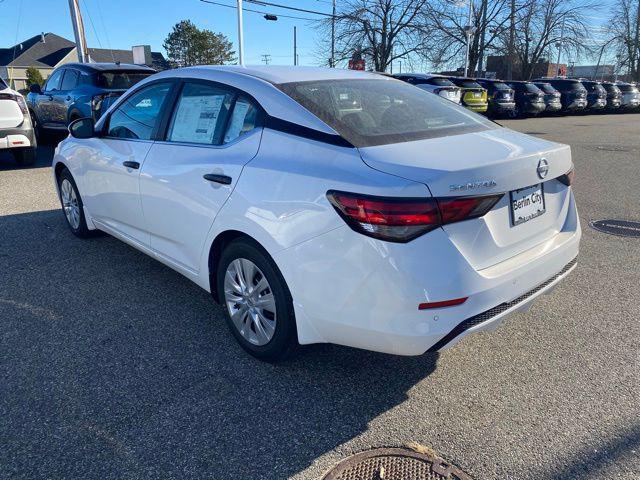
(48, 51)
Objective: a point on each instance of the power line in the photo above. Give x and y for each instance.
(287, 7)
(256, 11)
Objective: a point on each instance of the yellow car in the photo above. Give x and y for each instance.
(474, 97)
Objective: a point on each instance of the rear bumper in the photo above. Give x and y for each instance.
(480, 108)
(576, 105)
(352, 290)
(18, 137)
(534, 108)
(597, 104)
(502, 107)
(553, 106)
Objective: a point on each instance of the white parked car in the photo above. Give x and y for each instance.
(16, 131)
(323, 205)
(438, 84)
(630, 97)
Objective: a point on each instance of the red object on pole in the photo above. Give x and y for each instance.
(356, 64)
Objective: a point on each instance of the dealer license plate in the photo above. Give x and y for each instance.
(527, 203)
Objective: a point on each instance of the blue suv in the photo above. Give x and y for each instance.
(78, 90)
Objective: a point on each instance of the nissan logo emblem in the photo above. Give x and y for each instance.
(543, 168)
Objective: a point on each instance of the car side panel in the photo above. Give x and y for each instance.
(280, 199)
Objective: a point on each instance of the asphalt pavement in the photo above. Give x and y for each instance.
(114, 366)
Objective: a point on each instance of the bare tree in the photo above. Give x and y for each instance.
(624, 30)
(542, 24)
(447, 20)
(381, 31)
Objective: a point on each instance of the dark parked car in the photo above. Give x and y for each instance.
(551, 97)
(614, 95)
(78, 90)
(500, 96)
(529, 98)
(572, 94)
(596, 94)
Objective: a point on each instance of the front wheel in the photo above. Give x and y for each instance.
(258, 303)
(72, 205)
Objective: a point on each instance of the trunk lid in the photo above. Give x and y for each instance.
(481, 163)
(10, 114)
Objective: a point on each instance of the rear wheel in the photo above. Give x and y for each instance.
(25, 156)
(72, 205)
(258, 303)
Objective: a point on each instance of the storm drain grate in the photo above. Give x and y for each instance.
(395, 464)
(621, 228)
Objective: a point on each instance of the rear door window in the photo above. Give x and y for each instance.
(70, 80)
(200, 115)
(244, 118)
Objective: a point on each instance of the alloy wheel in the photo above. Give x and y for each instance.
(250, 301)
(70, 203)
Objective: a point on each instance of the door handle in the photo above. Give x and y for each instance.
(213, 177)
(50, 97)
(68, 99)
(129, 164)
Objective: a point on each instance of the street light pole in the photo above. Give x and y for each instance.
(332, 61)
(295, 45)
(240, 36)
(78, 31)
(468, 30)
(559, 45)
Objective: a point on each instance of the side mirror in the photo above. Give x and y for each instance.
(35, 88)
(82, 128)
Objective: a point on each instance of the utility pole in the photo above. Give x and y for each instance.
(266, 58)
(483, 26)
(295, 45)
(559, 45)
(78, 31)
(468, 30)
(240, 36)
(512, 40)
(332, 61)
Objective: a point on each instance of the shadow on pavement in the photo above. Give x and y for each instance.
(114, 366)
(45, 155)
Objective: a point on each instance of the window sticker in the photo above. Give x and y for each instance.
(237, 121)
(196, 119)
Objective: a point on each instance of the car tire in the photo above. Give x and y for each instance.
(72, 206)
(248, 279)
(25, 156)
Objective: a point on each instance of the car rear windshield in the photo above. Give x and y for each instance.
(546, 87)
(368, 112)
(468, 84)
(530, 87)
(626, 87)
(568, 85)
(610, 88)
(120, 80)
(439, 81)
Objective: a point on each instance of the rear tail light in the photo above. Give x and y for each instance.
(442, 304)
(568, 178)
(19, 99)
(402, 219)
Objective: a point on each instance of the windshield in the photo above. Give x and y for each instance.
(378, 112)
(468, 84)
(611, 88)
(2, 84)
(546, 87)
(120, 80)
(531, 88)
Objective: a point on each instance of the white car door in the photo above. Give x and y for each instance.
(112, 170)
(212, 133)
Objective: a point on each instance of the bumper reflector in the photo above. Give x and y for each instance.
(442, 304)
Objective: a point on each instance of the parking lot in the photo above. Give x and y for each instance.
(114, 366)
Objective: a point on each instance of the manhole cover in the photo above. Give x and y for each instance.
(395, 464)
(622, 228)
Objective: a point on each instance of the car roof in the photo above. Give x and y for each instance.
(101, 67)
(286, 74)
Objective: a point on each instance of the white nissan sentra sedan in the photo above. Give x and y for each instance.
(323, 205)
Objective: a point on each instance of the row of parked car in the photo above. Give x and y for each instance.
(498, 98)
